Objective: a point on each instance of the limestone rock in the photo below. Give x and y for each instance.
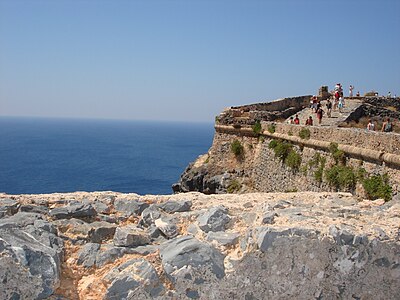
(20, 220)
(188, 251)
(130, 276)
(39, 209)
(100, 231)
(176, 206)
(167, 226)
(8, 207)
(130, 236)
(76, 210)
(130, 207)
(214, 219)
(223, 238)
(36, 257)
(87, 255)
(269, 217)
(149, 215)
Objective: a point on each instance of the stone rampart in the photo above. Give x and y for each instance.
(321, 137)
(257, 169)
(267, 111)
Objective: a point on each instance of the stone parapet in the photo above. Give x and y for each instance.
(267, 111)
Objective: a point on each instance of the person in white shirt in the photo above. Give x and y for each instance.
(351, 88)
(370, 126)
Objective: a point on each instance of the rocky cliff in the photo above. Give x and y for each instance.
(108, 245)
(243, 158)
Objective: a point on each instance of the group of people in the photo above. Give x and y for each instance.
(296, 120)
(387, 125)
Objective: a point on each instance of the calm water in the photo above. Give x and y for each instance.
(53, 155)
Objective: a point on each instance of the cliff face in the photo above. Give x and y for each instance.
(258, 167)
(109, 245)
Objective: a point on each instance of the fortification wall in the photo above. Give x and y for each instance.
(267, 111)
(257, 169)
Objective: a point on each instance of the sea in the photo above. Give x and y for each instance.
(40, 155)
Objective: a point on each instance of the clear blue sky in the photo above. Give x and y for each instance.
(187, 60)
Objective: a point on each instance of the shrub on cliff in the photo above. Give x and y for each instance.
(237, 148)
(271, 128)
(293, 160)
(377, 186)
(272, 144)
(338, 155)
(257, 127)
(341, 177)
(233, 187)
(282, 150)
(304, 133)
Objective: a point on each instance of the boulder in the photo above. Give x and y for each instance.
(149, 215)
(87, 255)
(215, 219)
(223, 238)
(167, 226)
(130, 236)
(108, 254)
(75, 210)
(269, 217)
(187, 251)
(8, 207)
(20, 220)
(100, 231)
(135, 274)
(34, 209)
(176, 206)
(33, 263)
(130, 207)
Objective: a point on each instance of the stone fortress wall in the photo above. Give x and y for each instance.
(259, 170)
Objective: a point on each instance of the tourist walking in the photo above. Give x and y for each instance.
(387, 126)
(320, 112)
(335, 104)
(371, 125)
(290, 121)
(329, 108)
(358, 94)
(341, 104)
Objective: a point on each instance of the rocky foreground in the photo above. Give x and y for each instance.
(107, 245)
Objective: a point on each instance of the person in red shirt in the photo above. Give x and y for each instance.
(309, 121)
(297, 120)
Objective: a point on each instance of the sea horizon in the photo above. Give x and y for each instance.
(40, 155)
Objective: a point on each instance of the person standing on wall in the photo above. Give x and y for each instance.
(351, 88)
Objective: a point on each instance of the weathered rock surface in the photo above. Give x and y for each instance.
(176, 206)
(130, 236)
(131, 277)
(130, 207)
(214, 220)
(187, 253)
(30, 257)
(255, 246)
(75, 210)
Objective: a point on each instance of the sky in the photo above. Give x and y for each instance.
(188, 60)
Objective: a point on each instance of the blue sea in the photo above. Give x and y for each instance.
(66, 155)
